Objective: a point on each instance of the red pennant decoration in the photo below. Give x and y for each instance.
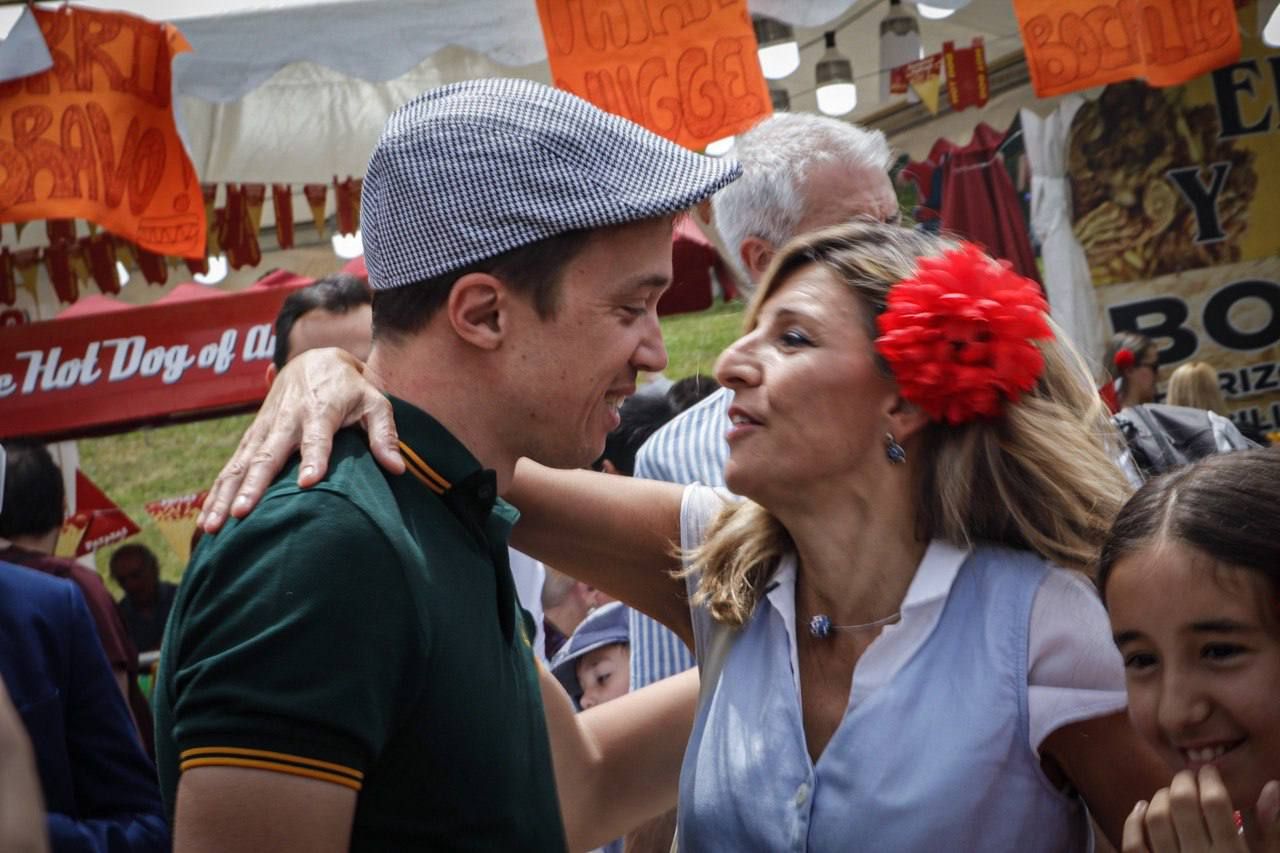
(97, 520)
(254, 196)
(153, 267)
(348, 196)
(101, 251)
(282, 202)
(60, 231)
(57, 259)
(8, 284)
(239, 239)
(967, 84)
(196, 266)
(316, 194)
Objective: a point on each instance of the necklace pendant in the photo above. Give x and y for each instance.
(820, 627)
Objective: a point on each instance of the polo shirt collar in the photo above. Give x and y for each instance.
(443, 465)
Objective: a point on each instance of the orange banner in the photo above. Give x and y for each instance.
(94, 137)
(1078, 44)
(686, 71)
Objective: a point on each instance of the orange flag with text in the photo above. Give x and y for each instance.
(94, 137)
(1078, 44)
(686, 71)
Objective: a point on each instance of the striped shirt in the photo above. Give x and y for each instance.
(688, 449)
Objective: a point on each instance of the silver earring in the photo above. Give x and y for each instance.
(897, 455)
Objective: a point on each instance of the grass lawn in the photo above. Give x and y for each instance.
(149, 464)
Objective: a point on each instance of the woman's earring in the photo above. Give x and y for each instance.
(894, 450)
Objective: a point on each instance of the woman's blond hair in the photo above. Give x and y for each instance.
(1195, 384)
(1038, 478)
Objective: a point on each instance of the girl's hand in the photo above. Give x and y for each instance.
(1195, 815)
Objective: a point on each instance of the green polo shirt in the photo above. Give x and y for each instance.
(365, 632)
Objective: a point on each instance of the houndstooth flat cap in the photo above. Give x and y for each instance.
(471, 170)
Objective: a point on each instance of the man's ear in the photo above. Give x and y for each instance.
(756, 254)
(477, 309)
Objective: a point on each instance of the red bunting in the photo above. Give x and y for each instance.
(8, 284)
(57, 259)
(348, 194)
(316, 194)
(100, 251)
(153, 267)
(282, 203)
(967, 84)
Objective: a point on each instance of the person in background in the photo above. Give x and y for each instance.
(1191, 575)
(333, 312)
(99, 787)
(1195, 385)
(642, 415)
(565, 604)
(1133, 369)
(147, 599)
(592, 667)
(34, 505)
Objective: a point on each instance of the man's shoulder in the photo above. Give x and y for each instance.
(23, 588)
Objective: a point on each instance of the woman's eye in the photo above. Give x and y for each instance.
(1139, 661)
(794, 338)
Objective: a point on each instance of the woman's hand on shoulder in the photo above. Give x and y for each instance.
(1195, 815)
(316, 394)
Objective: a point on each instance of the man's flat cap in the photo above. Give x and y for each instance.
(472, 170)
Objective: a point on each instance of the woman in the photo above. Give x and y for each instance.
(907, 670)
(1133, 368)
(1195, 384)
(1191, 574)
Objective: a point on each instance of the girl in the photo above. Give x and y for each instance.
(1191, 576)
(1133, 368)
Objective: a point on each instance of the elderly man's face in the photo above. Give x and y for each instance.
(836, 194)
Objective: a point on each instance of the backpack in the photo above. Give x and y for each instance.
(1162, 438)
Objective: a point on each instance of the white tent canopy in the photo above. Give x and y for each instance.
(297, 91)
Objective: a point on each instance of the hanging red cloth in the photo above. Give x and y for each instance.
(978, 199)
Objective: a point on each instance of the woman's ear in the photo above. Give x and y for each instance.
(477, 310)
(905, 418)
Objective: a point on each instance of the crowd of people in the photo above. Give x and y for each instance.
(899, 576)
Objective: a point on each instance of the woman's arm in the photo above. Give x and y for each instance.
(615, 533)
(618, 764)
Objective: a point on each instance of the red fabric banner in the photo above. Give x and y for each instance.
(94, 137)
(104, 371)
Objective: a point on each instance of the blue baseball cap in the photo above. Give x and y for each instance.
(605, 626)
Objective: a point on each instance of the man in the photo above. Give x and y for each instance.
(800, 172)
(359, 641)
(147, 599)
(333, 312)
(31, 513)
(99, 788)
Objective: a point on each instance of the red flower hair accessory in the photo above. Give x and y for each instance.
(1124, 360)
(958, 335)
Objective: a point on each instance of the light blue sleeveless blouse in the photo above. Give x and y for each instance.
(938, 759)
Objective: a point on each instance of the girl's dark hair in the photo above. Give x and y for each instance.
(1226, 506)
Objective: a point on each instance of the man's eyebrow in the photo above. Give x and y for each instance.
(647, 281)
